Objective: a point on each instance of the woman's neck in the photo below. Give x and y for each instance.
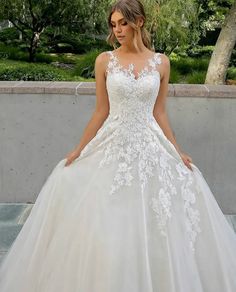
(132, 49)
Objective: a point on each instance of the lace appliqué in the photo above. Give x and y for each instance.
(161, 202)
(134, 144)
(188, 195)
(151, 68)
(132, 138)
(130, 142)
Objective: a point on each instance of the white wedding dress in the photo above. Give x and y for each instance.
(127, 215)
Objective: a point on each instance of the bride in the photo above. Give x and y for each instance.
(135, 47)
(126, 210)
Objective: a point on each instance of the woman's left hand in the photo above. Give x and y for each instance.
(186, 159)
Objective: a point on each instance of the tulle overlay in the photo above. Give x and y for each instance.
(127, 215)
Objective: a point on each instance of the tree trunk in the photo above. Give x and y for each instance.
(220, 58)
(33, 46)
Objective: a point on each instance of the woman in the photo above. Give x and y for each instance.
(126, 210)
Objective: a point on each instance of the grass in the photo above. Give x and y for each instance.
(231, 74)
(14, 66)
(18, 70)
(197, 77)
(188, 66)
(85, 65)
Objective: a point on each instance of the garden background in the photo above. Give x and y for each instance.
(58, 40)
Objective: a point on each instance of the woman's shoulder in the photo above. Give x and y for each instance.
(160, 58)
(164, 58)
(103, 56)
(102, 60)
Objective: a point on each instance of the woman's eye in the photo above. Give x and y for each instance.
(123, 23)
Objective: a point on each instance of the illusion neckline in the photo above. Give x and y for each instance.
(151, 62)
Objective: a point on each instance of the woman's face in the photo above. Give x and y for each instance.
(123, 32)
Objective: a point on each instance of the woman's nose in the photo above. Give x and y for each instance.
(118, 29)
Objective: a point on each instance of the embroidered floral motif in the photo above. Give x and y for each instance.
(192, 216)
(132, 139)
(151, 68)
(161, 203)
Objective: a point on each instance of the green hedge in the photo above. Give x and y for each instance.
(197, 77)
(9, 35)
(31, 72)
(85, 65)
(231, 73)
(77, 44)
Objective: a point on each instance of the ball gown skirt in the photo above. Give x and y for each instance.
(127, 215)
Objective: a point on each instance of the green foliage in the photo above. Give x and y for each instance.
(13, 53)
(44, 58)
(188, 65)
(184, 69)
(77, 44)
(64, 48)
(199, 51)
(32, 17)
(197, 77)
(175, 76)
(9, 35)
(26, 14)
(74, 26)
(91, 16)
(16, 53)
(172, 23)
(233, 59)
(211, 14)
(188, 70)
(30, 72)
(67, 58)
(182, 65)
(85, 65)
(231, 73)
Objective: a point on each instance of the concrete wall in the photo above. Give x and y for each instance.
(40, 122)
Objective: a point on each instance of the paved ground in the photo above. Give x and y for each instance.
(13, 216)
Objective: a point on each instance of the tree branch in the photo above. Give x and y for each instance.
(23, 23)
(17, 26)
(34, 19)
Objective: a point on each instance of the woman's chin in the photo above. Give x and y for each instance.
(121, 40)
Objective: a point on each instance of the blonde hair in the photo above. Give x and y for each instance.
(131, 10)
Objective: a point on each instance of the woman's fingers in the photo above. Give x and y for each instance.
(190, 159)
(187, 160)
(68, 162)
(71, 157)
(187, 163)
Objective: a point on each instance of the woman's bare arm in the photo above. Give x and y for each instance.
(101, 110)
(160, 114)
(159, 111)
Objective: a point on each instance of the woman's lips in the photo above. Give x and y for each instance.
(120, 37)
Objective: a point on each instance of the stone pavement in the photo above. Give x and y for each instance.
(13, 216)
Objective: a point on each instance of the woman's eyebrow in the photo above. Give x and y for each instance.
(118, 20)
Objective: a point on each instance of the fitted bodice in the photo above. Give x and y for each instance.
(132, 97)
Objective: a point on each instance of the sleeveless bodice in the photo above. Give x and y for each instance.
(133, 147)
(132, 97)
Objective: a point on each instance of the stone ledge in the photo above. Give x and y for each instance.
(88, 88)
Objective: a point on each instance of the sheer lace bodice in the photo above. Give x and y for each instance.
(132, 139)
(127, 215)
(133, 96)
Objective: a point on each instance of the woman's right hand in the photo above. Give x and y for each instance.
(71, 156)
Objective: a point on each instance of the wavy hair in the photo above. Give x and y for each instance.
(131, 10)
